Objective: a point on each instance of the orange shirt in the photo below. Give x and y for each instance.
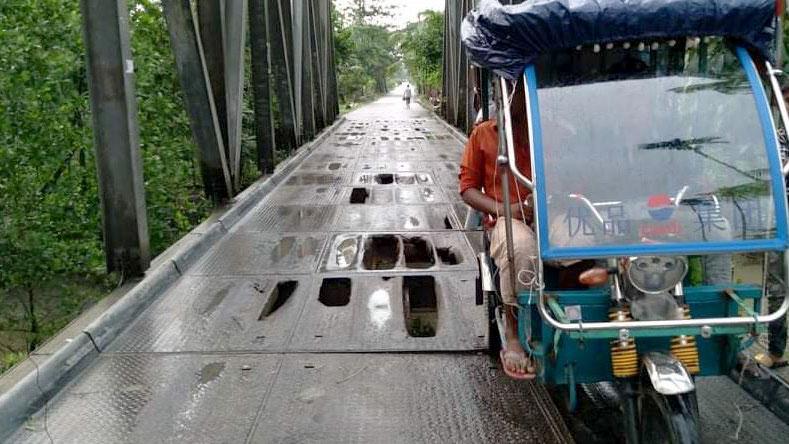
(478, 166)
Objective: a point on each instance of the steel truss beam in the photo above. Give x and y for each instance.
(199, 99)
(116, 135)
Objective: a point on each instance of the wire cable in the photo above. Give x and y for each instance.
(46, 402)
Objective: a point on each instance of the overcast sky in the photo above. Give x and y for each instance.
(405, 10)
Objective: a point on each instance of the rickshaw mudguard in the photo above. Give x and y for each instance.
(588, 353)
(667, 374)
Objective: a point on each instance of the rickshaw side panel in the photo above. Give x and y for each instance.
(590, 359)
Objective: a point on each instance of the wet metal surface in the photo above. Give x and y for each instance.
(148, 398)
(205, 314)
(374, 318)
(262, 253)
(398, 399)
(436, 217)
(730, 415)
(293, 398)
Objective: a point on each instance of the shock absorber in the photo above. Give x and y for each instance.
(624, 356)
(684, 347)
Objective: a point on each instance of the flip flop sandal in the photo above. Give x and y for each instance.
(511, 374)
(765, 360)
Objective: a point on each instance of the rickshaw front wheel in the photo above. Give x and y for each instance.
(667, 418)
(494, 337)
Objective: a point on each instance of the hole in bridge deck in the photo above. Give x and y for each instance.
(406, 179)
(420, 305)
(448, 256)
(418, 253)
(381, 252)
(359, 195)
(278, 297)
(448, 223)
(384, 179)
(335, 292)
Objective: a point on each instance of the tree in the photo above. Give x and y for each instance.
(421, 45)
(364, 50)
(51, 259)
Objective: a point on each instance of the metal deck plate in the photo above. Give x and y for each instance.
(146, 398)
(374, 318)
(447, 252)
(401, 399)
(729, 415)
(436, 217)
(253, 253)
(218, 314)
(306, 195)
(292, 218)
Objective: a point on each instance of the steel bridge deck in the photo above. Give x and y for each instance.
(252, 344)
(204, 363)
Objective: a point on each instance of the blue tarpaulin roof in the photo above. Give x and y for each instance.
(507, 38)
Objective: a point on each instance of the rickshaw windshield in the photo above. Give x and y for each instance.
(652, 145)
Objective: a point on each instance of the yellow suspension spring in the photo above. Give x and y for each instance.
(684, 348)
(624, 356)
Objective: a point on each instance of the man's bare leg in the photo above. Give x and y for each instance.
(515, 358)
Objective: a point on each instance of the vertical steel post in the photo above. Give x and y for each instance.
(198, 96)
(484, 96)
(502, 162)
(264, 130)
(211, 22)
(334, 102)
(279, 30)
(116, 135)
(234, 45)
(305, 56)
(318, 82)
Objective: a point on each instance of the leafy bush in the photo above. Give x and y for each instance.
(51, 259)
(422, 46)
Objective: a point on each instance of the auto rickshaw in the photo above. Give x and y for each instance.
(652, 129)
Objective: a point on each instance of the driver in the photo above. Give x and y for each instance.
(480, 188)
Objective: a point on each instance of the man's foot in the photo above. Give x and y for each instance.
(515, 362)
(770, 360)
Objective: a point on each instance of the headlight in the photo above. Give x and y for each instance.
(656, 274)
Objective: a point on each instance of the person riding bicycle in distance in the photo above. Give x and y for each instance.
(480, 188)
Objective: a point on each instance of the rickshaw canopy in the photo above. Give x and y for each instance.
(507, 38)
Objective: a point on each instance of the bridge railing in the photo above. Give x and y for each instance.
(292, 56)
(465, 88)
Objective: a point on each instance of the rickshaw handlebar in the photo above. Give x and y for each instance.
(668, 323)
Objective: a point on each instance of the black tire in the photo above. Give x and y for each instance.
(668, 418)
(494, 337)
(492, 301)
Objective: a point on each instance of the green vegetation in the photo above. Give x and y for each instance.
(51, 260)
(422, 46)
(364, 52)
